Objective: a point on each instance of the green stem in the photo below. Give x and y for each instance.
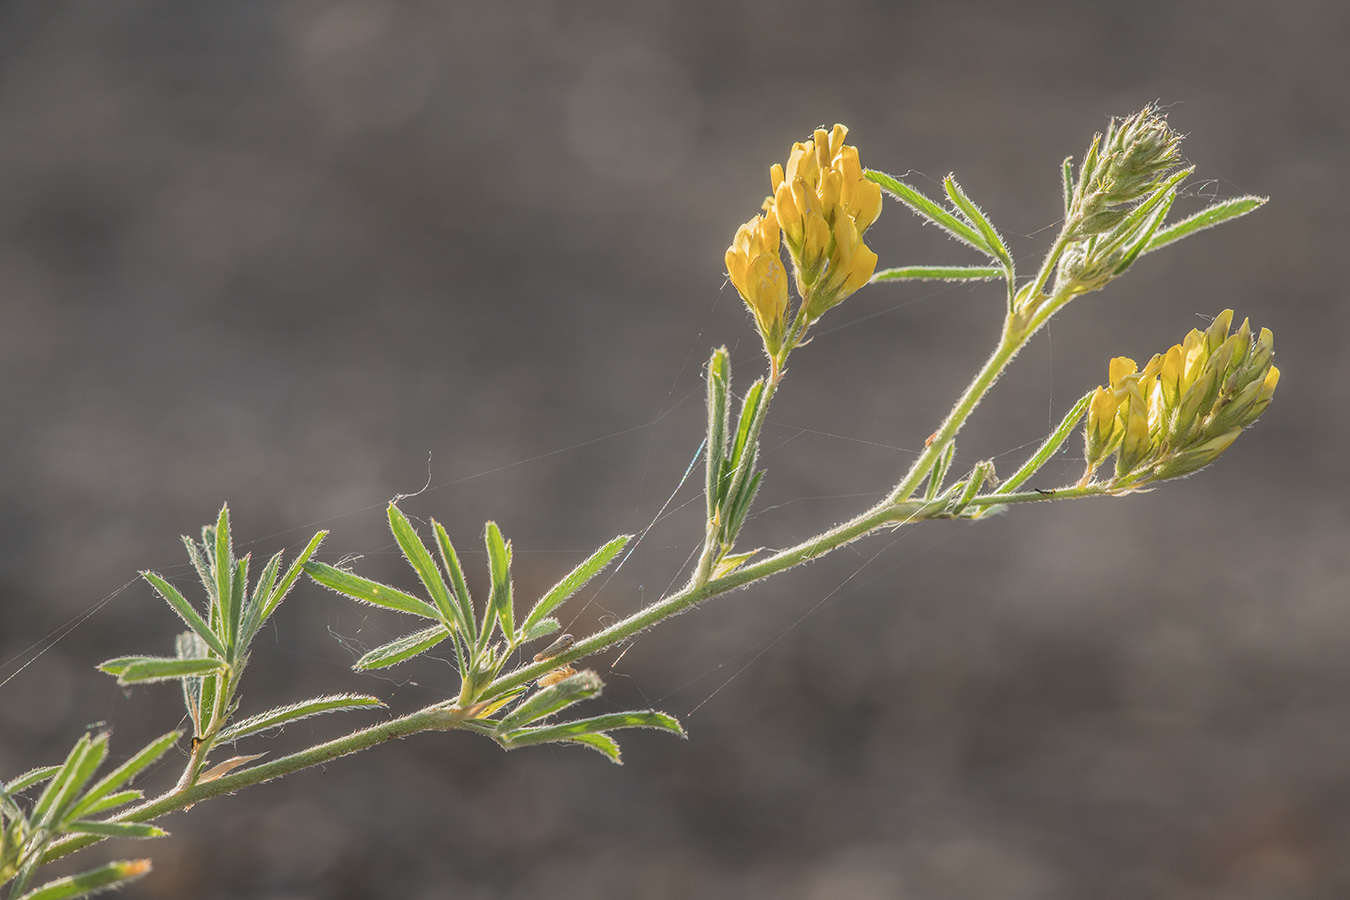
(432, 718)
(884, 513)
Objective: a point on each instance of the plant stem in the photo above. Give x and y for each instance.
(432, 718)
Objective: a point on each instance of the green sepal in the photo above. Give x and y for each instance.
(546, 701)
(72, 887)
(575, 580)
(404, 648)
(367, 591)
(185, 612)
(499, 567)
(1206, 218)
(417, 555)
(927, 208)
(939, 273)
(146, 669)
(282, 715)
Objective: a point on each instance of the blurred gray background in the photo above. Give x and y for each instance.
(299, 256)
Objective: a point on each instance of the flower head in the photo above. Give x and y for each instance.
(1184, 408)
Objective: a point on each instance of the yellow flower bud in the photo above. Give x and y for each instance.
(757, 271)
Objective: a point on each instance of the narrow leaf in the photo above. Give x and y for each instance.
(538, 629)
(116, 829)
(995, 246)
(185, 612)
(1048, 449)
(274, 596)
(144, 669)
(597, 724)
(283, 715)
(546, 701)
(927, 208)
(417, 555)
(1066, 176)
(124, 773)
(367, 591)
(939, 273)
(253, 611)
(111, 875)
(576, 579)
(103, 804)
(404, 648)
(461, 588)
(30, 778)
(80, 764)
(719, 411)
(224, 572)
(601, 742)
(1206, 218)
(499, 566)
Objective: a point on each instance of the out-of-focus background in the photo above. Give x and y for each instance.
(301, 256)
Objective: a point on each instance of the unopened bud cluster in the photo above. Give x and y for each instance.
(1184, 408)
(1129, 163)
(821, 207)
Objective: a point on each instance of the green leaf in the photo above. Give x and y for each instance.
(939, 471)
(81, 763)
(1066, 176)
(576, 579)
(1047, 449)
(461, 588)
(939, 273)
(123, 774)
(499, 566)
(538, 629)
(404, 648)
(225, 591)
(570, 730)
(115, 829)
(273, 596)
(994, 244)
(367, 591)
(30, 778)
(1206, 218)
(111, 875)
(546, 701)
(144, 669)
(927, 208)
(185, 612)
(719, 412)
(282, 715)
(103, 804)
(600, 742)
(417, 555)
(254, 609)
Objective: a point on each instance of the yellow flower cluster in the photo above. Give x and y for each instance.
(821, 207)
(1184, 408)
